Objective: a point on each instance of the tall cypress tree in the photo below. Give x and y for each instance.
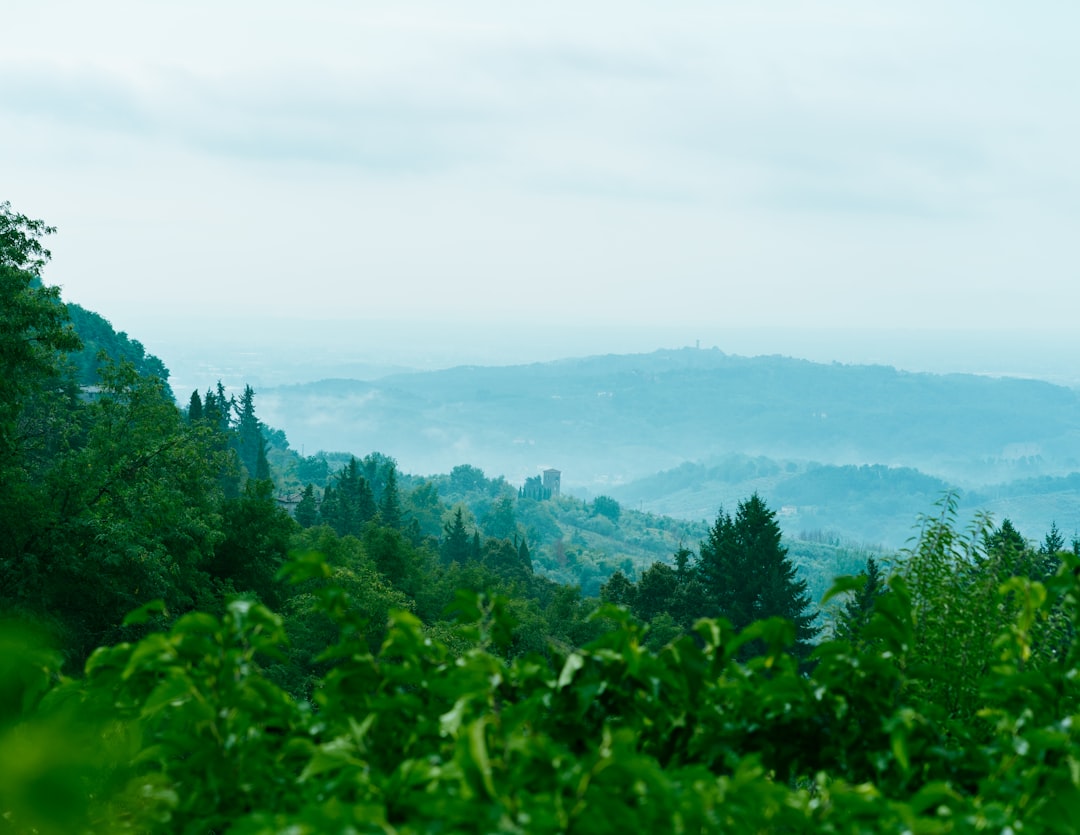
(195, 408)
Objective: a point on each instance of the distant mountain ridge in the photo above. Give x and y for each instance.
(608, 420)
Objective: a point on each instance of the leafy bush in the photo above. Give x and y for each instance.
(182, 731)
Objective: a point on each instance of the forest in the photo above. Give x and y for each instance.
(201, 630)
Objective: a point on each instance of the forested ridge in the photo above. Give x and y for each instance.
(180, 654)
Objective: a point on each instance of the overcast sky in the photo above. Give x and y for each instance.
(903, 165)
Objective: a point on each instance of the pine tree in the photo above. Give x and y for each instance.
(856, 613)
(455, 543)
(747, 575)
(349, 504)
(1047, 560)
(390, 506)
(249, 438)
(722, 569)
(307, 511)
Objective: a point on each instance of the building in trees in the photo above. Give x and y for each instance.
(552, 481)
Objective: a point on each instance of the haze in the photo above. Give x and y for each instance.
(545, 174)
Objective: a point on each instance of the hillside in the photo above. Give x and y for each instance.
(608, 420)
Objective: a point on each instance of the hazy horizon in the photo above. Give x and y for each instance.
(600, 165)
(272, 351)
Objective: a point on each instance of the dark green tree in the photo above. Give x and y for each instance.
(248, 437)
(390, 505)
(307, 509)
(857, 610)
(255, 544)
(1048, 557)
(217, 407)
(392, 554)
(747, 575)
(425, 508)
(619, 590)
(195, 408)
(456, 547)
(262, 463)
(349, 504)
(655, 591)
(524, 557)
(503, 559)
(606, 506)
(501, 522)
(34, 334)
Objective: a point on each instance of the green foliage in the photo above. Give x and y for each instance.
(122, 511)
(412, 736)
(102, 344)
(307, 510)
(858, 609)
(607, 506)
(34, 333)
(456, 545)
(255, 541)
(746, 574)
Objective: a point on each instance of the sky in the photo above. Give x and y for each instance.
(694, 168)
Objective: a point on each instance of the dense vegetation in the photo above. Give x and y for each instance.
(413, 667)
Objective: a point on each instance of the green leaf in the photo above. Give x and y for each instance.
(144, 613)
(172, 692)
(933, 795)
(843, 585)
(573, 663)
(478, 751)
(309, 565)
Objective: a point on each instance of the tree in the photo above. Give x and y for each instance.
(424, 507)
(746, 572)
(465, 478)
(392, 554)
(501, 522)
(655, 591)
(349, 504)
(1049, 556)
(524, 557)
(125, 515)
(502, 557)
(618, 589)
(606, 506)
(34, 331)
(249, 440)
(455, 544)
(307, 509)
(390, 505)
(857, 610)
(195, 408)
(256, 541)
